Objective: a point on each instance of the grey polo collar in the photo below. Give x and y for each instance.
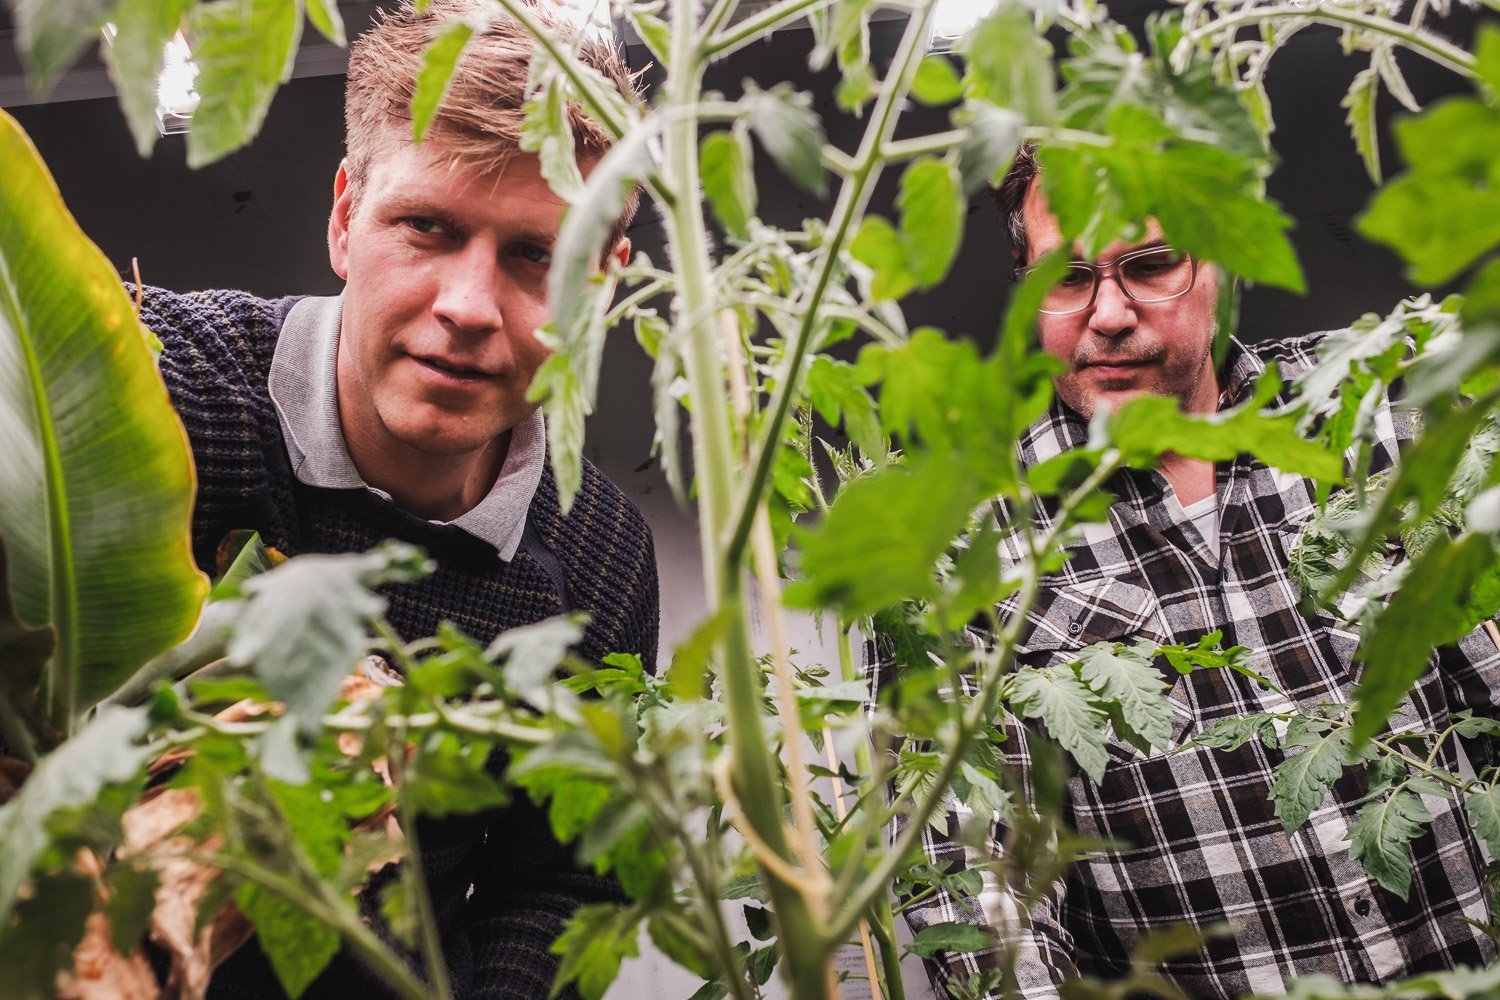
(303, 388)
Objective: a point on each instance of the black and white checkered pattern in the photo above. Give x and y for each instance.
(1200, 842)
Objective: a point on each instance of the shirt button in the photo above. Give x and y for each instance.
(1362, 906)
(1074, 628)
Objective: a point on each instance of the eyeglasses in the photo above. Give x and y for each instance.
(1151, 274)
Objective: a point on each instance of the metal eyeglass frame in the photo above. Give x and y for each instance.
(1111, 269)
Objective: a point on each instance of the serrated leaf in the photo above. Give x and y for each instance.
(1443, 213)
(439, 60)
(303, 629)
(1429, 610)
(1010, 65)
(728, 179)
(936, 81)
(834, 390)
(1067, 708)
(1150, 426)
(297, 944)
(1233, 733)
(1360, 103)
(783, 120)
(134, 60)
(1483, 807)
(597, 938)
(1302, 781)
(932, 208)
(244, 52)
(879, 542)
(955, 938)
(670, 938)
(50, 35)
(1130, 680)
(878, 246)
(991, 137)
(1381, 839)
(105, 752)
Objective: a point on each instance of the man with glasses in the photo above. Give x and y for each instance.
(1191, 837)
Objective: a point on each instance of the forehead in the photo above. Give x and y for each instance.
(1043, 234)
(409, 173)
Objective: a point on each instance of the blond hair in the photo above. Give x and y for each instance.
(478, 121)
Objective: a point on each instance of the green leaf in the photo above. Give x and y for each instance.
(783, 120)
(439, 60)
(1235, 732)
(105, 752)
(1483, 806)
(1009, 64)
(244, 51)
(991, 137)
(448, 777)
(1360, 103)
(672, 939)
(954, 938)
(1150, 426)
(567, 387)
(134, 60)
(324, 14)
(24, 652)
(303, 630)
(932, 207)
(834, 391)
(1443, 213)
(1381, 839)
(297, 944)
(1068, 709)
(1302, 781)
(1429, 610)
(87, 427)
(595, 941)
(654, 32)
(251, 560)
(882, 537)
(728, 179)
(878, 246)
(40, 942)
(1128, 680)
(132, 898)
(936, 81)
(977, 581)
(50, 35)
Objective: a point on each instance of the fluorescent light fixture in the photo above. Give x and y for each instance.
(176, 93)
(953, 19)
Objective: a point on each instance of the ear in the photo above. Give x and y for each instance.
(338, 222)
(621, 251)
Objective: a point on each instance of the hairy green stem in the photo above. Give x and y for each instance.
(1434, 48)
(759, 26)
(416, 889)
(853, 196)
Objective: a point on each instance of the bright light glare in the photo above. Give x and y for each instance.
(591, 17)
(176, 92)
(952, 19)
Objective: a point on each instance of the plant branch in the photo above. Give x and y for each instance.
(758, 25)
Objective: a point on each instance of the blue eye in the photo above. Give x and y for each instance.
(422, 224)
(536, 254)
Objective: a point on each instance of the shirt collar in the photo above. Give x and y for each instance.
(303, 387)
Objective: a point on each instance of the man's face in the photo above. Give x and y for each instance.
(446, 271)
(1118, 349)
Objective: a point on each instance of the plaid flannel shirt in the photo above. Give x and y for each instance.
(1200, 842)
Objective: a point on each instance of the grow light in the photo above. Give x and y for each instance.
(176, 92)
(952, 19)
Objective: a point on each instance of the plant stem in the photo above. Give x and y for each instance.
(760, 25)
(854, 195)
(370, 948)
(412, 875)
(1443, 53)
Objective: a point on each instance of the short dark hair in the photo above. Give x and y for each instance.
(1010, 199)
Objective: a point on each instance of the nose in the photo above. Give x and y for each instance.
(1113, 313)
(469, 294)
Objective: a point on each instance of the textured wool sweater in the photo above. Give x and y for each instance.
(501, 884)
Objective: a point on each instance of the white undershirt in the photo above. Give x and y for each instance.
(1205, 517)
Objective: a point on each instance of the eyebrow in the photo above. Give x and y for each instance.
(402, 206)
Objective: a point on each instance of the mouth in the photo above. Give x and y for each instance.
(451, 369)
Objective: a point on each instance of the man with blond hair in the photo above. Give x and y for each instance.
(399, 410)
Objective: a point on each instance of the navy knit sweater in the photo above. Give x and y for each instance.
(598, 559)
